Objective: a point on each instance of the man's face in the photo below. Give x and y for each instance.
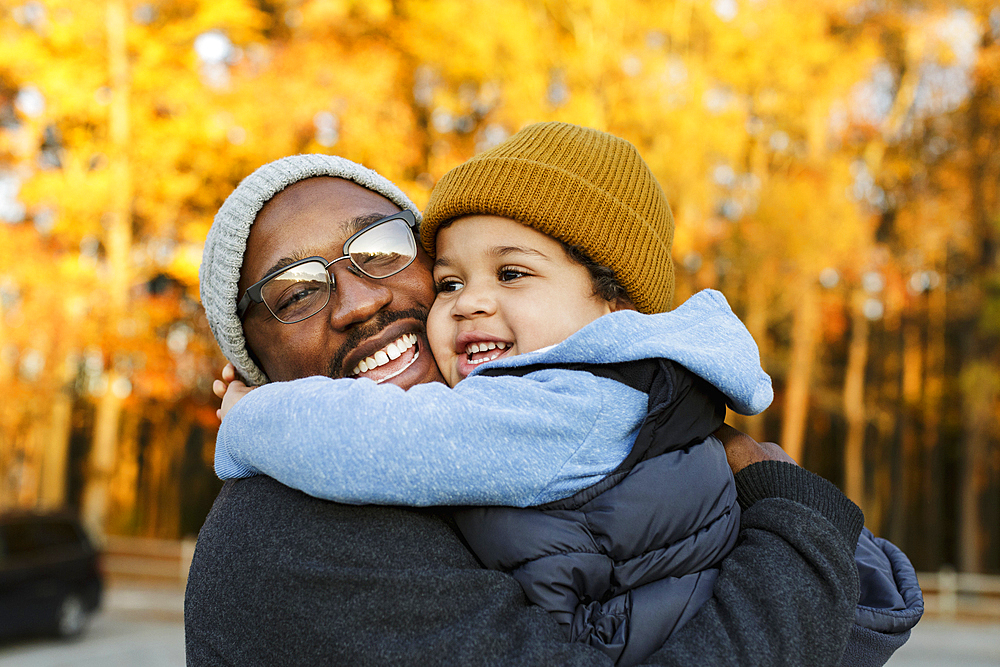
(364, 316)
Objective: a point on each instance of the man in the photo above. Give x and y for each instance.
(282, 578)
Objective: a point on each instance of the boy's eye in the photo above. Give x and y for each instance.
(447, 285)
(508, 273)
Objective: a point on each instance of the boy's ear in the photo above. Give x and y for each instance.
(621, 303)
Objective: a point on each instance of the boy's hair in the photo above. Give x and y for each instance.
(603, 278)
(580, 186)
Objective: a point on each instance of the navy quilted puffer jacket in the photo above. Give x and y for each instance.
(625, 563)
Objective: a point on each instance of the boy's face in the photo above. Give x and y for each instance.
(503, 289)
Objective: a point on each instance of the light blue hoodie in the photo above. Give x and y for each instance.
(517, 441)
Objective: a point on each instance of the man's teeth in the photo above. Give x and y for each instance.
(391, 351)
(473, 348)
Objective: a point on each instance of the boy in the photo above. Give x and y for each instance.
(624, 561)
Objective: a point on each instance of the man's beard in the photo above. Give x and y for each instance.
(372, 328)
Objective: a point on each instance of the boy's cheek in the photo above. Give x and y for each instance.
(441, 336)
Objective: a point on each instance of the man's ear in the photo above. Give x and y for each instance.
(621, 303)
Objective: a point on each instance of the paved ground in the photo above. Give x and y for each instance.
(137, 628)
(145, 629)
(938, 643)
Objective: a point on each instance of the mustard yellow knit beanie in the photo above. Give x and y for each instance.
(579, 185)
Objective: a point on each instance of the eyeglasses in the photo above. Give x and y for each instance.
(302, 289)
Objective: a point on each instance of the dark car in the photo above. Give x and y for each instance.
(50, 578)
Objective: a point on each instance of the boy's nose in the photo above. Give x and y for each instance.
(473, 302)
(356, 298)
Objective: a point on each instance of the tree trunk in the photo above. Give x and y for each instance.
(854, 407)
(756, 323)
(118, 242)
(103, 455)
(980, 387)
(52, 494)
(124, 484)
(905, 501)
(161, 483)
(805, 321)
(32, 440)
(930, 487)
(980, 378)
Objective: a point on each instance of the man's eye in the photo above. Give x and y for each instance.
(447, 285)
(376, 261)
(296, 296)
(508, 274)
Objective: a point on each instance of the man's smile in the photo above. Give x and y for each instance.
(384, 347)
(404, 351)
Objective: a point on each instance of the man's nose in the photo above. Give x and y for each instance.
(356, 297)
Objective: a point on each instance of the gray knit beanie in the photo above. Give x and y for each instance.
(227, 241)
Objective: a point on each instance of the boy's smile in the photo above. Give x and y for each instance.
(503, 289)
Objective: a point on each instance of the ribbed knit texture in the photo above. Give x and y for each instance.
(222, 258)
(579, 185)
(778, 479)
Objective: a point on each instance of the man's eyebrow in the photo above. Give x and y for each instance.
(355, 225)
(282, 263)
(351, 227)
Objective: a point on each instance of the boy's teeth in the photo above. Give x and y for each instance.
(472, 348)
(391, 351)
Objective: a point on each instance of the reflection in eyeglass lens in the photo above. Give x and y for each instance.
(298, 292)
(383, 250)
(304, 289)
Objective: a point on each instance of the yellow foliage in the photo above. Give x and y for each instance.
(749, 114)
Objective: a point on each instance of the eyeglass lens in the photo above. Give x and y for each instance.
(299, 292)
(383, 250)
(304, 289)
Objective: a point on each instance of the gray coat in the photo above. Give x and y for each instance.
(280, 578)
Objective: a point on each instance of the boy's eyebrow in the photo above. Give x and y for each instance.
(499, 252)
(504, 251)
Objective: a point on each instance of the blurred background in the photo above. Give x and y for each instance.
(833, 167)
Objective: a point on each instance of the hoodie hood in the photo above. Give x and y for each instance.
(703, 335)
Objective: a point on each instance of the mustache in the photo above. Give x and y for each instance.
(382, 319)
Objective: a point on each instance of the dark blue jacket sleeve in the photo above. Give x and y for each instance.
(889, 606)
(796, 546)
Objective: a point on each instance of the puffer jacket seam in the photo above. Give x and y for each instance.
(597, 551)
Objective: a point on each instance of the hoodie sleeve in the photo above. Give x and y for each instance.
(490, 441)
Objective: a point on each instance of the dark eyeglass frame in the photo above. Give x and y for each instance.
(254, 294)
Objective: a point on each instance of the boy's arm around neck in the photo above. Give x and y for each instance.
(490, 441)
